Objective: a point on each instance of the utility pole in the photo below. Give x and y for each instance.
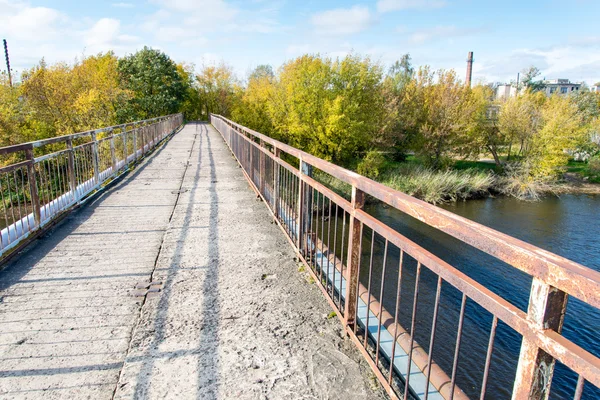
(7, 62)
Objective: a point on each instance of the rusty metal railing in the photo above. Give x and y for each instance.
(40, 180)
(371, 276)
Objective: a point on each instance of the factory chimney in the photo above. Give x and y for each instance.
(7, 62)
(469, 69)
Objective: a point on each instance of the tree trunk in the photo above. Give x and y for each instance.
(494, 152)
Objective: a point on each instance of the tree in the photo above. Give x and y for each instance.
(519, 119)
(63, 99)
(443, 113)
(262, 71)
(329, 108)
(482, 132)
(219, 89)
(157, 87)
(192, 103)
(528, 76)
(560, 130)
(252, 109)
(399, 126)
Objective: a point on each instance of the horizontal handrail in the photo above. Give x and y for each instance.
(39, 189)
(298, 202)
(560, 272)
(58, 139)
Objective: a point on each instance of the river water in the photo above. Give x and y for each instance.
(568, 226)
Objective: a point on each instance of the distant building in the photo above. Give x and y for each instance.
(595, 88)
(560, 86)
(550, 87)
(504, 91)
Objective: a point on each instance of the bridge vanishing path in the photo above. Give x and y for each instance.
(172, 283)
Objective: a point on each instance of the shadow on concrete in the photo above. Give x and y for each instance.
(207, 350)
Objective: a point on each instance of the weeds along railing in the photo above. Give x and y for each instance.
(371, 276)
(40, 180)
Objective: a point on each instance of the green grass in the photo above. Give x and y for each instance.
(474, 165)
(579, 167)
(438, 186)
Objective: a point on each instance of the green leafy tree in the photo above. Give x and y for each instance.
(157, 87)
(219, 89)
(528, 76)
(560, 130)
(192, 103)
(252, 109)
(329, 108)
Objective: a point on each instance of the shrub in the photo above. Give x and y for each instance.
(372, 165)
(594, 165)
(439, 186)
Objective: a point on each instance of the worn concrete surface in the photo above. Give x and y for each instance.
(234, 318)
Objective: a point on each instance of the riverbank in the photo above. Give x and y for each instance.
(465, 180)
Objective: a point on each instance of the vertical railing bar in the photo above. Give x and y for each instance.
(358, 278)
(4, 210)
(328, 244)
(95, 158)
(33, 188)
(488, 357)
(60, 181)
(18, 202)
(25, 200)
(579, 388)
(342, 257)
(436, 307)
(369, 288)
(113, 154)
(457, 347)
(412, 331)
(313, 246)
(322, 238)
(12, 208)
(335, 258)
(381, 303)
(71, 169)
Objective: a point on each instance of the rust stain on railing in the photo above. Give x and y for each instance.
(306, 210)
(38, 190)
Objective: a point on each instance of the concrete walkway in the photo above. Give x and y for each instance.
(172, 284)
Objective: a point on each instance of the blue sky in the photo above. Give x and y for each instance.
(559, 37)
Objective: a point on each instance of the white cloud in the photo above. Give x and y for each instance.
(106, 35)
(577, 63)
(397, 5)
(440, 32)
(342, 21)
(122, 5)
(35, 24)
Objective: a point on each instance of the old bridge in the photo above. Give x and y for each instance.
(142, 261)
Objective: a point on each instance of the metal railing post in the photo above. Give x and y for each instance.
(95, 159)
(112, 153)
(71, 170)
(304, 205)
(251, 148)
(125, 151)
(136, 130)
(261, 167)
(358, 202)
(276, 153)
(33, 188)
(546, 310)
